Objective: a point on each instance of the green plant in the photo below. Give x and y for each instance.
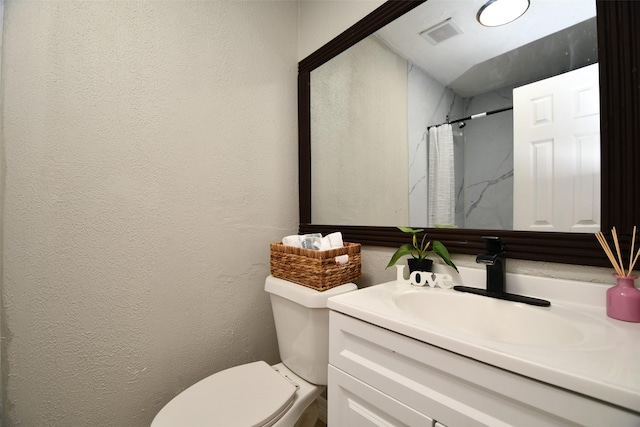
(421, 251)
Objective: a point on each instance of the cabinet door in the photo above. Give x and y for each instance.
(355, 404)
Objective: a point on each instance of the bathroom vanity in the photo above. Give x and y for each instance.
(468, 360)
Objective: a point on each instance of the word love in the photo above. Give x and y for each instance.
(426, 278)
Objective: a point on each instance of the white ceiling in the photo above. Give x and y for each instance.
(454, 57)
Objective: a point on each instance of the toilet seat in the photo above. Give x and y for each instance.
(247, 395)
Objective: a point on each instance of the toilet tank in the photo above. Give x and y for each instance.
(302, 325)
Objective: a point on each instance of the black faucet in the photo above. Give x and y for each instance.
(495, 259)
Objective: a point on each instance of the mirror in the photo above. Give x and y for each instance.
(372, 106)
(618, 98)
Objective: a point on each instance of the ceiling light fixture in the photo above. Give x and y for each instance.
(499, 12)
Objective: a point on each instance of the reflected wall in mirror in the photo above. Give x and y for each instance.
(618, 23)
(377, 162)
(359, 134)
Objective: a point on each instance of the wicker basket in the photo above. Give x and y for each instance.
(315, 269)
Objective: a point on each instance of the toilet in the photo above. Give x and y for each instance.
(256, 394)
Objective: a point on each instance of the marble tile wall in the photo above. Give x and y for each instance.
(483, 152)
(488, 171)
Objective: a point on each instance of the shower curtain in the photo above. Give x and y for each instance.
(441, 189)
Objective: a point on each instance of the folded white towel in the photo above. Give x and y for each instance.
(331, 241)
(292, 241)
(335, 240)
(315, 241)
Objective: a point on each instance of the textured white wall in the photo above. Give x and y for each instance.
(322, 20)
(359, 105)
(150, 153)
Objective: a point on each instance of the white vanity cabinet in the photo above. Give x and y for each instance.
(381, 378)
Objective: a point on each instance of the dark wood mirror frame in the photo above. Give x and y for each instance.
(619, 58)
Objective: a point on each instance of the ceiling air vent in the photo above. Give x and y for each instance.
(441, 32)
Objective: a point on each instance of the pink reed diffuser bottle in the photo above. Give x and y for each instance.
(623, 299)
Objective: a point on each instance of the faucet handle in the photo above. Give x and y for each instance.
(494, 245)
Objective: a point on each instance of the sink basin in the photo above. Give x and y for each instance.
(490, 318)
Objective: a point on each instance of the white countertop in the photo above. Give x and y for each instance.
(605, 365)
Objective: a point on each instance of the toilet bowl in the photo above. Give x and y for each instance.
(256, 394)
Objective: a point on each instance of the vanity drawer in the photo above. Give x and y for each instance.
(456, 390)
(354, 403)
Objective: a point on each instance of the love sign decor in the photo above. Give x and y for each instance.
(425, 278)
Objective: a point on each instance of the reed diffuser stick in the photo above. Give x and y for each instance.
(609, 253)
(615, 241)
(620, 270)
(633, 243)
(634, 262)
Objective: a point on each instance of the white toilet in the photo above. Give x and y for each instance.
(257, 394)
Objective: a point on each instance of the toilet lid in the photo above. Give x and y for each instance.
(248, 395)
